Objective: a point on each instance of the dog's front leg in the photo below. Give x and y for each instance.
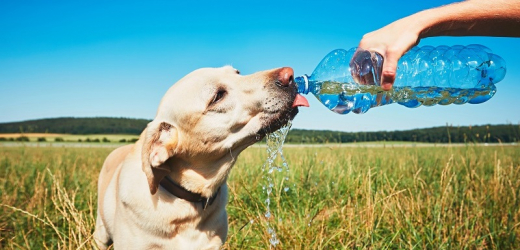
(101, 235)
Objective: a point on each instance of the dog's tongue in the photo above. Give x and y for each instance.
(300, 101)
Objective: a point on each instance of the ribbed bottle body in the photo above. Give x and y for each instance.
(349, 81)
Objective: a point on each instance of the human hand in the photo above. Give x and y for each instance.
(391, 41)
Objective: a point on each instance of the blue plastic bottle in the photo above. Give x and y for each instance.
(425, 76)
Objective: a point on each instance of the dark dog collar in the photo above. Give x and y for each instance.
(180, 192)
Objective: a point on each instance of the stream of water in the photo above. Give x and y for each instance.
(271, 168)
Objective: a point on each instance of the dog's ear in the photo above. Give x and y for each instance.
(159, 145)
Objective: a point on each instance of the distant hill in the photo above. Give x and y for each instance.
(103, 125)
(81, 126)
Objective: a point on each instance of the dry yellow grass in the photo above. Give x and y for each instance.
(30, 135)
(51, 137)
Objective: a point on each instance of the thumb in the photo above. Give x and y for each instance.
(389, 71)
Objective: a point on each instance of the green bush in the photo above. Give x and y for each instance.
(58, 139)
(22, 138)
(42, 139)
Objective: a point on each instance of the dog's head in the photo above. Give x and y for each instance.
(208, 117)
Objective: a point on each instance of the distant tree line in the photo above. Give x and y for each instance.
(79, 126)
(455, 134)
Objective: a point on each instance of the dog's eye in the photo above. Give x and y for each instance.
(218, 96)
(238, 71)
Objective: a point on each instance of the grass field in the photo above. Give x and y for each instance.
(339, 198)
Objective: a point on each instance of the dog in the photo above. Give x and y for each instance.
(168, 190)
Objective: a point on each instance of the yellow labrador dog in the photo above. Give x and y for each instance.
(168, 190)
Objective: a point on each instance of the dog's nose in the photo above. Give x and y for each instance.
(285, 77)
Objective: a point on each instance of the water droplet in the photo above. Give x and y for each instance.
(286, 189)
(274, 241)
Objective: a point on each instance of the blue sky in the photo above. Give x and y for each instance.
(117, 58)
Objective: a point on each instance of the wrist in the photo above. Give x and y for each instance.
(426, 23)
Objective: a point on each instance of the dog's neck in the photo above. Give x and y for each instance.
(204, 180)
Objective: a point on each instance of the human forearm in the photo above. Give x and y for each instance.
(471, 18)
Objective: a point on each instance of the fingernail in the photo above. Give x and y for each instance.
(386, 85)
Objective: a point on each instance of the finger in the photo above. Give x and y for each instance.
(361, 67)
(389, 71)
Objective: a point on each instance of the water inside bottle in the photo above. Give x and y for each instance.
(270, 169)
(343, 98)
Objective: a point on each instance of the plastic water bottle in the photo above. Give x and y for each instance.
(425, 76)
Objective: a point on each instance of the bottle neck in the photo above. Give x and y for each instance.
(302, 82)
